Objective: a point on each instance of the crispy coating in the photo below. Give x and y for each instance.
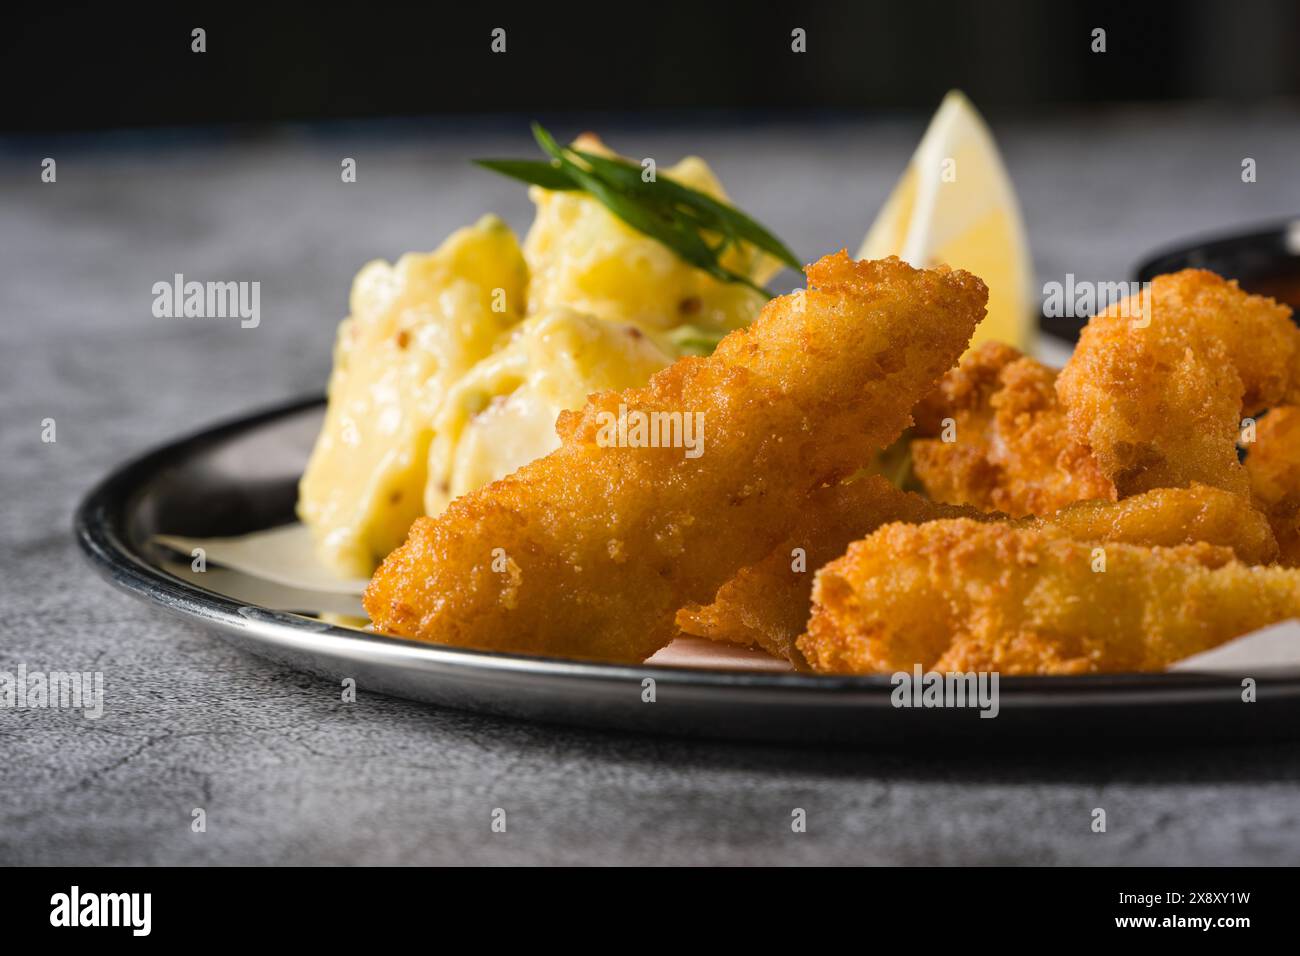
(1011, 451)
(975, 596)
(1167, 517)
(1273, 464)
(598, 544)
(766, 604)
(967, 387)
(1157, 394)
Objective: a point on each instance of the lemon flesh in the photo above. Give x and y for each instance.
(955, 204)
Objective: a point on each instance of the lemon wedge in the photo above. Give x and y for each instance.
(955, 204)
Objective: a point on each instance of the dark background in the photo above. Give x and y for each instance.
(81, 66)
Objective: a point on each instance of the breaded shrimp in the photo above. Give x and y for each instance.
(767, 604)
(1010, 450)
(1273, 464)
(1167, 517)
(1157, 391)
(590, 551)
(974, 596)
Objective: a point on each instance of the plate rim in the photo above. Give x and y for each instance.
(99, 525)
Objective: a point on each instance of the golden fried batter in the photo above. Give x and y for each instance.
(1273, 464)
(1167, 517)
(590, 551)
(1011, 450)
(968, 596)
(766, 604)
(1157, 393)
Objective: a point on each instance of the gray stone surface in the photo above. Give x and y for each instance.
(289, 774)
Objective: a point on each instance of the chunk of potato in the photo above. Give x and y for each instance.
(415, 328)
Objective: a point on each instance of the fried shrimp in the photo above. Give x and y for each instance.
(1167, 517)
(590, 551)
(966, 596)
(766, 605)
(1273, 464)
(1006, 447)
(1156, 388)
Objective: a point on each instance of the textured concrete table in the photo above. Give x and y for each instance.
(288, 773)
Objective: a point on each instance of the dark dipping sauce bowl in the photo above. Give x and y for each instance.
(1265, 261)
